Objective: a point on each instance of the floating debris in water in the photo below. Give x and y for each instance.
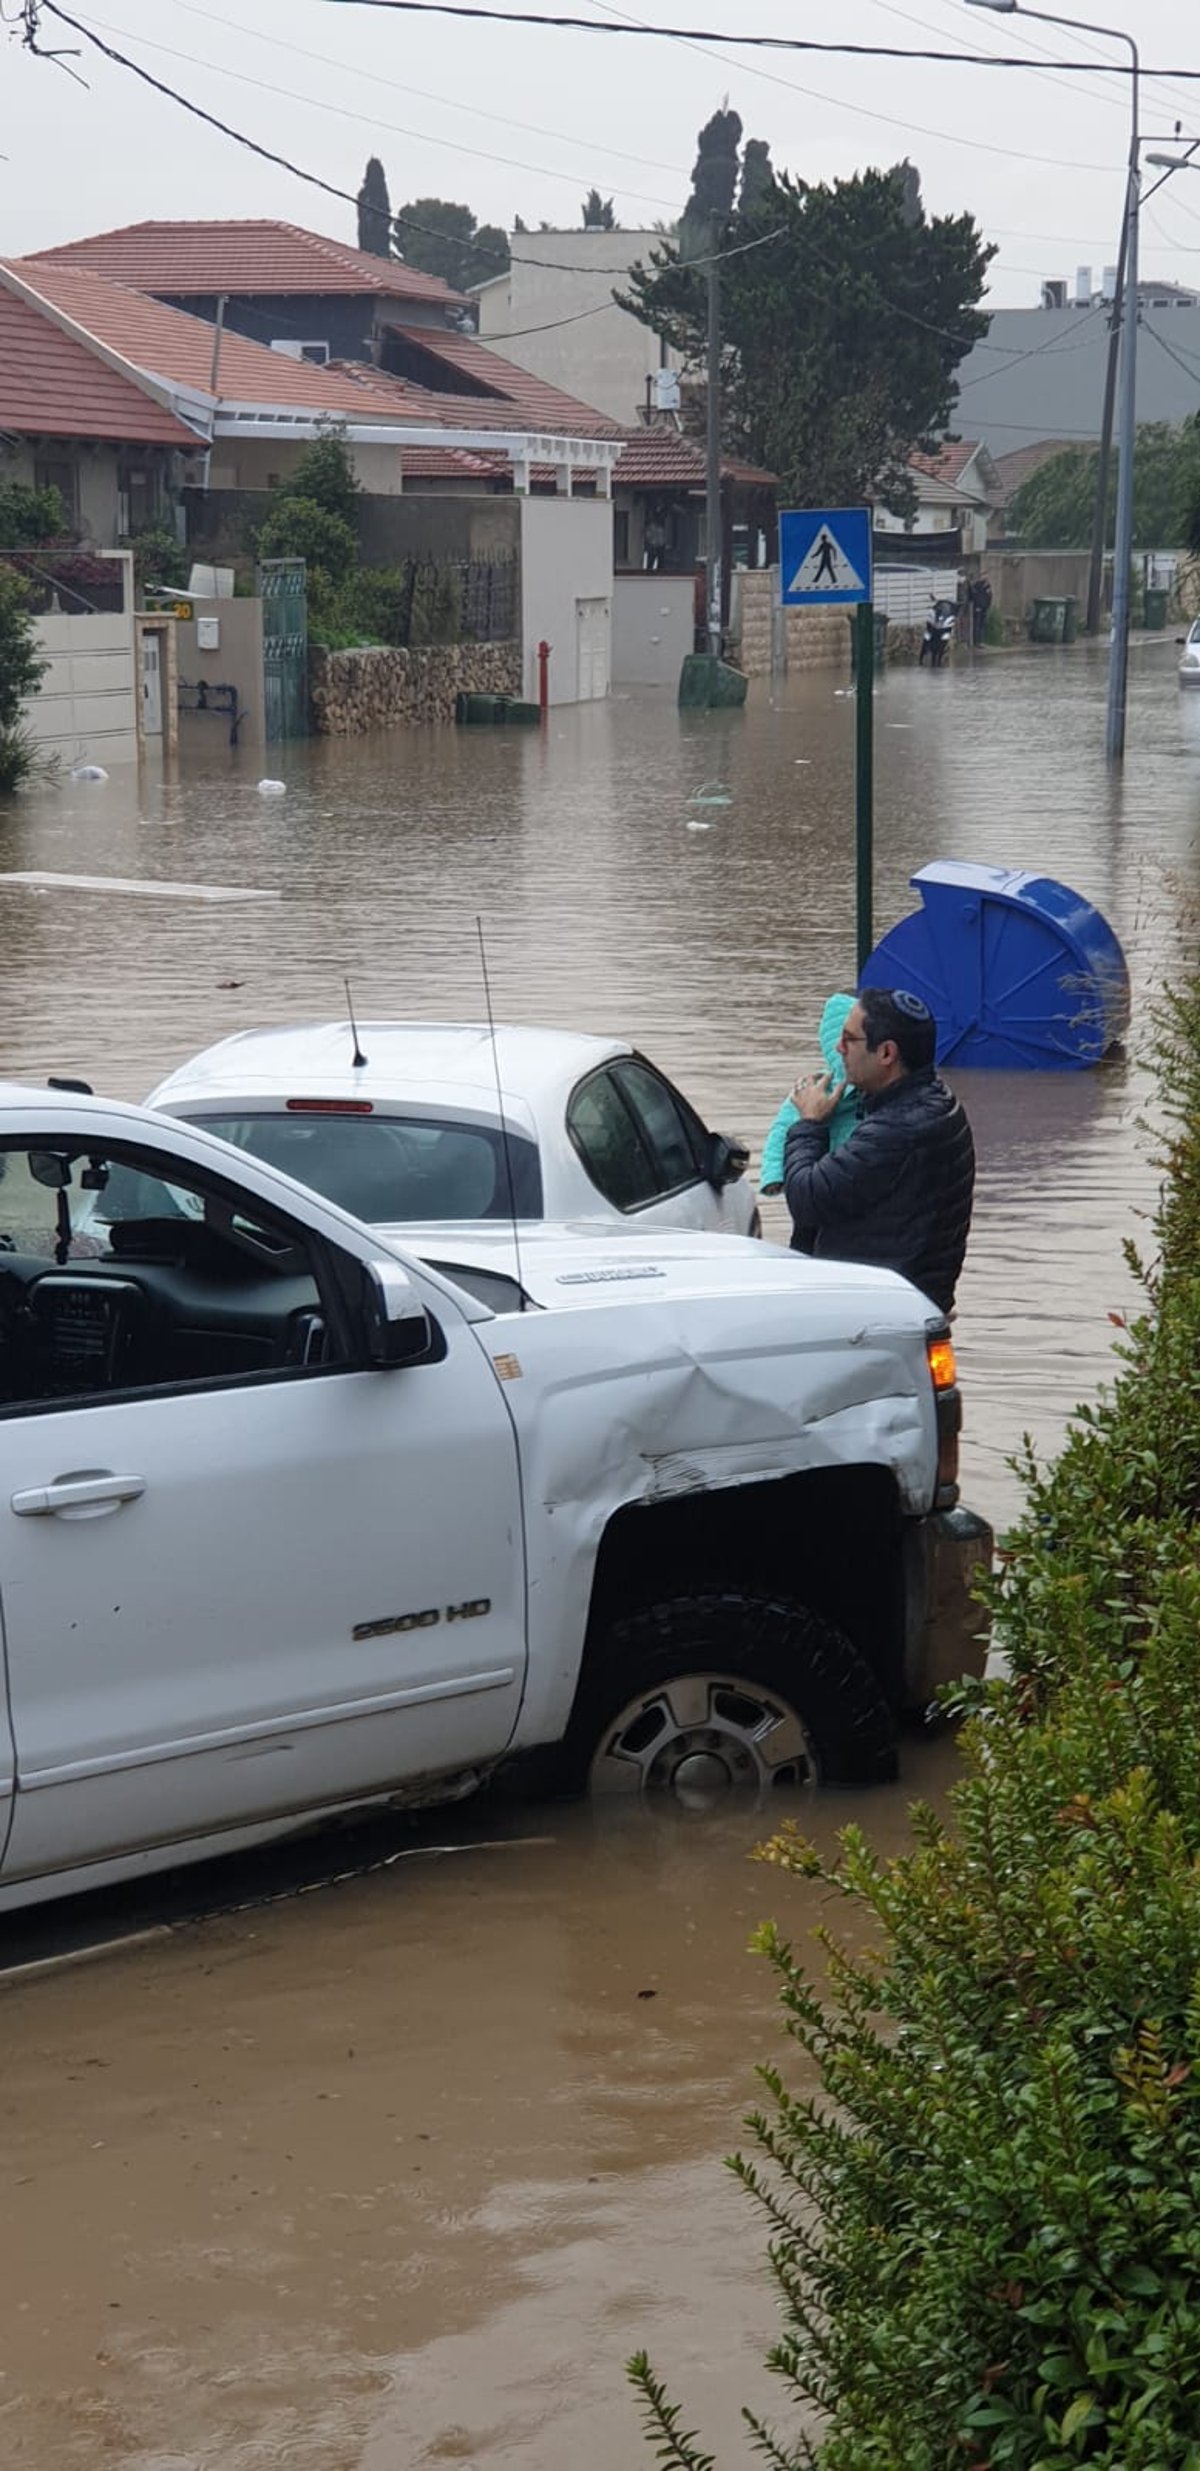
(699, 823)
(711, 794)
(271, 789)
(88, 772)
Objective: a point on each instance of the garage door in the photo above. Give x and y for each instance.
(593, 636)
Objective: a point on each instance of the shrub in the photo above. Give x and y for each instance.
(299, 528)
(157, 559)
(325, 475)
(984, 2224)
(28, 516)
(21, 670)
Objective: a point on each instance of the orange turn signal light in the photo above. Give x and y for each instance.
(942, 1365)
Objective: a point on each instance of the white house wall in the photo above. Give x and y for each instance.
(566, 570)
(605, 358)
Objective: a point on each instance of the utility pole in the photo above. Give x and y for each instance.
(1104, 460)
(1118, 663)
(712, 475)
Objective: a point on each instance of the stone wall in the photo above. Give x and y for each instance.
(349, 692)
(815, 639)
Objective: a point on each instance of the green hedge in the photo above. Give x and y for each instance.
(985, 2227)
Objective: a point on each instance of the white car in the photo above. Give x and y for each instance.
(433, 1124)
(1189, 666)
(292, 1522)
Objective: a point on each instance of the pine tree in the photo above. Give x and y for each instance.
(375, 211)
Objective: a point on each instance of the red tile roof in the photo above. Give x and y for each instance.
(657, 457)
(171, 345)
(52, 386)
(949, 463)
(1019, 466)
(539, 405)
(244, 257)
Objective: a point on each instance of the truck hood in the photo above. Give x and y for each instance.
(575, 1264)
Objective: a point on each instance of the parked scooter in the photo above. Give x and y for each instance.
(939, 630)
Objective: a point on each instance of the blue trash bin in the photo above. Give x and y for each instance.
(1023, 974)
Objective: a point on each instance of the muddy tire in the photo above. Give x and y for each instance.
(710, 1694)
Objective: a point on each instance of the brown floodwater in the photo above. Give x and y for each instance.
(398, 2172)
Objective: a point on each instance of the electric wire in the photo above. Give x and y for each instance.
(367, 120)
(472, 9)
(325, 60)
(315, 180)
(858, 111)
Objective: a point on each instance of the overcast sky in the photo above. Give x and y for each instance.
(521, 121)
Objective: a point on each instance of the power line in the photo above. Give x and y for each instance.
(1051, 345)
(1191, 373)
(531, 128)
(33, 9)
(753, 42)
(836, 102)
(344, 111)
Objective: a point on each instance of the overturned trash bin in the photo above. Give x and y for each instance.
(1021, 973)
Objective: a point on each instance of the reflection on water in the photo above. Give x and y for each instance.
(397, 2175)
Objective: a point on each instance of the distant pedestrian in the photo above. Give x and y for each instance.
(655, 540)
(981, 602)
(898, 1193)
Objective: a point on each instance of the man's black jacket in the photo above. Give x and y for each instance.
(897, 1194)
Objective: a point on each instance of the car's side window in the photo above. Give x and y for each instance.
(673, 1134)
(124, 1271)
(610, 1143)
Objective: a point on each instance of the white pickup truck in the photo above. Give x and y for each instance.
(293, 1522)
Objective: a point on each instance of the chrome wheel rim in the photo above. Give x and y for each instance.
(698, 1739)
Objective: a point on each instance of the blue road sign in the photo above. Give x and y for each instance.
(825, 557)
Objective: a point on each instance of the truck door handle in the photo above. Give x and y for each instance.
(92, 1493)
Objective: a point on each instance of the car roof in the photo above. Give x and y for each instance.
(404, 1058)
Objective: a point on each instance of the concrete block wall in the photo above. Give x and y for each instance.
(811, 638)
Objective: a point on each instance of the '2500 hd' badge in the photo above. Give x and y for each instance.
(472, 1611)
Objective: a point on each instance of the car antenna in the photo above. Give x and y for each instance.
(358, 1059)
(512, 1190)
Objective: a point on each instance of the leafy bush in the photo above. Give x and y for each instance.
(28, 516)
(299, 528)
(21, 670)
(325, 475)
(984, 2225)
(157, 559)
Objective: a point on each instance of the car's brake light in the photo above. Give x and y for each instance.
(329, 1106)
(943, 1372)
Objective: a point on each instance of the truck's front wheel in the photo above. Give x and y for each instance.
(707, 1695)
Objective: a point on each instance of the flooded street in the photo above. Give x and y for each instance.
(398, 2173)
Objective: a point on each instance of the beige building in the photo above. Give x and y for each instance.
(561, 283)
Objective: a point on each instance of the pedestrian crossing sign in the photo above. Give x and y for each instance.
(825, 557)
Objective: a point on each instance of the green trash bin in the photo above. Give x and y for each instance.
(881, 636)
(1154, 616)
(1048, 621)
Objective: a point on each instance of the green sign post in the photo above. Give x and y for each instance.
(864, 783)
(825, 563)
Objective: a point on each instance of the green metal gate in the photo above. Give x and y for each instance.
(282, 589)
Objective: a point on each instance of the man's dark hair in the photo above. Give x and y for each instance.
(891, 1012)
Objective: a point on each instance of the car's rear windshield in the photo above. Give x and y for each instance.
(388, 1169)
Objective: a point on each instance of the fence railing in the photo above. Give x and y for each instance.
(439, 601)
(72, 583)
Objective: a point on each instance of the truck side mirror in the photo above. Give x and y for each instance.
(397, 1323)
(728, 1160)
